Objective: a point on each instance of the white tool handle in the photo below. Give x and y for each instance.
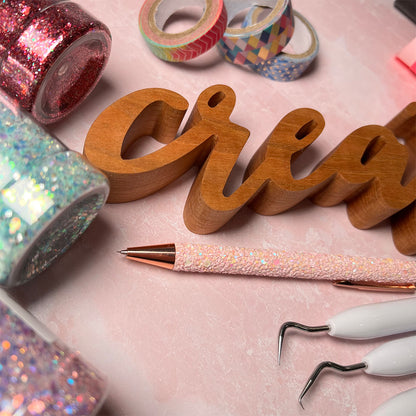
(403, 404)
(394, 358)
(375, 320)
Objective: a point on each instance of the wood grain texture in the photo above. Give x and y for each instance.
(370, 170)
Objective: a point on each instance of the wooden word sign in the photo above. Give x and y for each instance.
(365, 170)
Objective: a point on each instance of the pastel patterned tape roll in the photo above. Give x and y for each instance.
(296, 57)
(39, 374)
(260, 41)
(177, 47)
(48, 196)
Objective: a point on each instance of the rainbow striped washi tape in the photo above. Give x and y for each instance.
(261, 41)
(48, 196)
(304, 47)
(186, 45)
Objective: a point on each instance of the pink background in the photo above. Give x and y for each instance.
(205, 345)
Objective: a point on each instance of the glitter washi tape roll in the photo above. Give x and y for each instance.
(52, 55)
(186, 45)
(260, 41)
(48, 196)
(40, 375)
(296, 57)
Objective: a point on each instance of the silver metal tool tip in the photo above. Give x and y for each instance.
(297, 325)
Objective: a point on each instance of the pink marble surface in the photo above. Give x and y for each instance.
(205, 345)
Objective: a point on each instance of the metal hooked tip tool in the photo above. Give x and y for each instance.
(363, 322)
(394, 358)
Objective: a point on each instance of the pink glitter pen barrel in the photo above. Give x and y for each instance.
(52, 54)
(383, 274)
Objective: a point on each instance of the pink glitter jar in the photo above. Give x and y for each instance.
(39, 374)
(52, 54)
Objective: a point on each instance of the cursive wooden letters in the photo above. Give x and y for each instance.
(369, 169)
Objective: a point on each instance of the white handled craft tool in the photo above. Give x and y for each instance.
(403, 404)
(364, 322)
(394, 358)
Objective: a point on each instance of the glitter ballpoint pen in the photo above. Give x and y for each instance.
(367, 273)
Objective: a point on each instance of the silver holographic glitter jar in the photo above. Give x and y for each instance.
(48, 196)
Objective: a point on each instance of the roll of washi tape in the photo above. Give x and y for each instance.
(48, 196)
(177, 47)
(296, 56)
(262, 40)
(53, 56)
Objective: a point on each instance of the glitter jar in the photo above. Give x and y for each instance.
(48, 196)
(52, 54)
(15, 15)
(39, 374)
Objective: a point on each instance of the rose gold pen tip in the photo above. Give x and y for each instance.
(122, 251)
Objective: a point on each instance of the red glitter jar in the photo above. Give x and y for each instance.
(15, 14)
(53, 55)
